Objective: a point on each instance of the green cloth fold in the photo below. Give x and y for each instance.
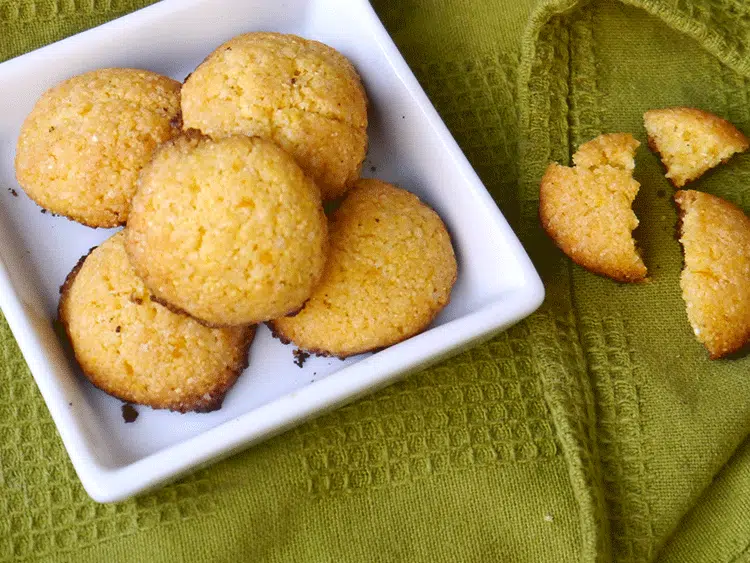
(596, 430)
(646, 419)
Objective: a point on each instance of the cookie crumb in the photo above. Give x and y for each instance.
(300, 357)
(13, 192)
(118, 329)
(44, 211)
(372, 169)
(129, 414)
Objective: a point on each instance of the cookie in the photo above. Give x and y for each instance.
(586, 209)
(230, 231)
(390, 271)
(83, 144)
(139, 351)
(303, 95)
(715, 281)
(691, 141)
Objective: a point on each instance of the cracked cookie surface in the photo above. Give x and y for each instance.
(303, 95)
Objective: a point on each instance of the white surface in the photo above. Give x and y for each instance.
(409, 145)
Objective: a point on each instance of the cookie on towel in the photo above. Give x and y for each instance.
(303, 95)
(390, 271)
(691, 141)
(139, 351)
(586, 209)
(83, 144)
(715, 281)
(230, 231)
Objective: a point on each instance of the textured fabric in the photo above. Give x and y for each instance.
(596, 430)
(660, 419)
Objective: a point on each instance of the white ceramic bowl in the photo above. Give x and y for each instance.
(409, 145)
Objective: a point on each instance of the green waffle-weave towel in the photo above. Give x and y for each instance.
(597, 430)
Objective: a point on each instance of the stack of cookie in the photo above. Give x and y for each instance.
(220, 183)
(586, 210)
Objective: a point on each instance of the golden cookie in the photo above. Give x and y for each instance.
(715, 236)
(83, 144)
(303, 95)
(390, 271)
(139, 351)
(586, 209)
(230, 231)
(691, 141)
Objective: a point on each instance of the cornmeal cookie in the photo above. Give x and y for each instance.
(230, 231)
(390, 271)
(586, 209)
(715, 236)
(83, 144)
(139, 351)
(691, 141)
(303, 95)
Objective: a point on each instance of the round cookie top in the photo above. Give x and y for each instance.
(83, 144)
(390, 271)
(139, 351)
(715, 236)
(303, 95)
(230, 231)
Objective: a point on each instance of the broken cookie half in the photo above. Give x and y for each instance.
(691, 141)
(715, 236)
(586, 209)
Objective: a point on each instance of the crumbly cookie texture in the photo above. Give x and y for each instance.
(230, 231)
(390, 271)
(715, 281)
(302, 94)
(586, 209)
(691, 141)
(139, 351)
(81, 148)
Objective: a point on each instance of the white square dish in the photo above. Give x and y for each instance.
(409, 145)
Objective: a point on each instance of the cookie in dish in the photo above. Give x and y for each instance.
(138, 350)
(301, 94)
(81, 148)
(390, 271)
